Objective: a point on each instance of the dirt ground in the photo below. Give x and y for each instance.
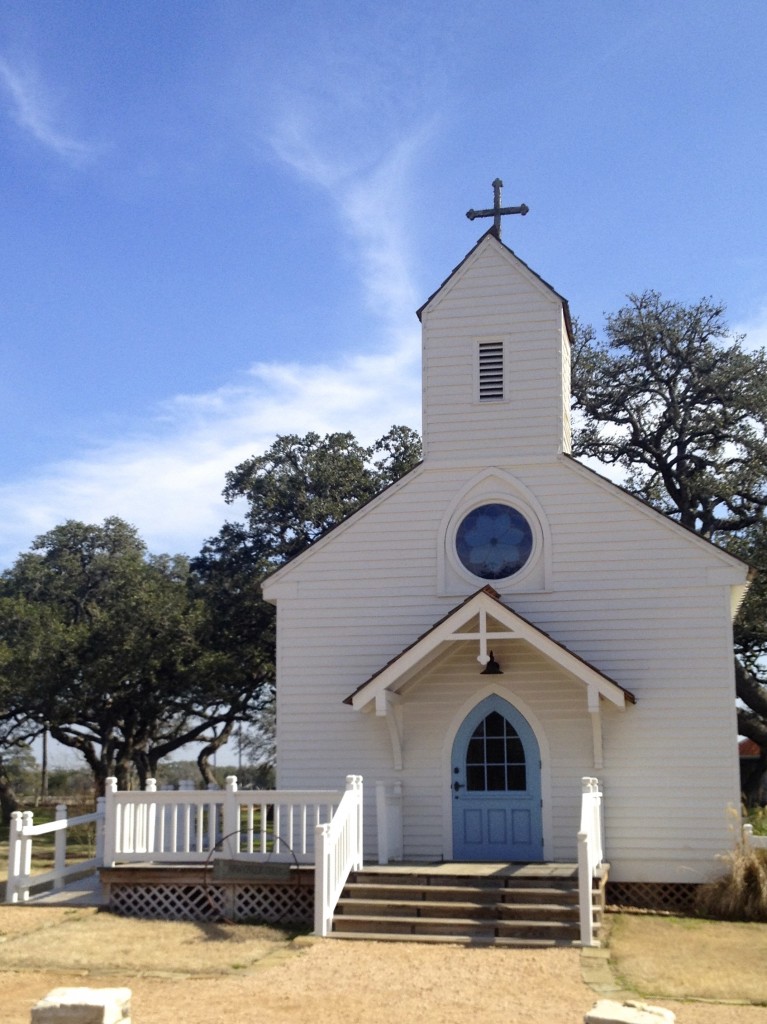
(182, 973)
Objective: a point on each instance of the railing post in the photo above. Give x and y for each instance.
(230, 826)
(110, 822)
(748, 832)
(60, 847)
(321, 880)
(151, 818)
(24, 869)
(354, 783)
(101, 815)
(588, 848)
(14, 859)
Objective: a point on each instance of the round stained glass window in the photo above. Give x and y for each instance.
(494, 541)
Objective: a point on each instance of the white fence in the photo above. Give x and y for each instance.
(590, 854)
(23, 833)
(319, 827)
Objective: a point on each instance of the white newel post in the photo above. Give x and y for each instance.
(60, 848)
(100, 819)
(110, 822)
(150, 821)
(354, 783)
(230, 824)
(14, 889)
(584, 891)
(322, 880)
(590, 855)
(25, 847)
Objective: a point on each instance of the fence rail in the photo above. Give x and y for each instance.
(22, 834)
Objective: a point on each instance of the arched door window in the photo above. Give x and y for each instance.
(495, 757)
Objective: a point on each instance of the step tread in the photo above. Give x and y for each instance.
(459, 890)
(386, 919)
(461, 940)
(421, 907)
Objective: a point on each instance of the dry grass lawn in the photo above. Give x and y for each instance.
(234, 974)
(681, 957)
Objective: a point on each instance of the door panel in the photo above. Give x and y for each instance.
(496, 783)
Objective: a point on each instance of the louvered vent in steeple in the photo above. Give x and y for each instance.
(490, 371)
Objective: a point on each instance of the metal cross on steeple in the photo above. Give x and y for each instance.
(497, 211)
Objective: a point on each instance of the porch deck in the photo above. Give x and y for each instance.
(93, 890)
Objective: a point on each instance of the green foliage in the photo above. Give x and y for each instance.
(676, 402)
(302, 486)
(125, 656)
(22, 770)
(107, 644)
(757, 818)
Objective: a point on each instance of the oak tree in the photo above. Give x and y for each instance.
(679, 405)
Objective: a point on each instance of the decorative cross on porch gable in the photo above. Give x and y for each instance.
(494, 622)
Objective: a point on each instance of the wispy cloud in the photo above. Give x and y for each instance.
(371, 201)
(34, 110)
(168, 480)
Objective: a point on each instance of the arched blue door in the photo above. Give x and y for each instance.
(496, 786)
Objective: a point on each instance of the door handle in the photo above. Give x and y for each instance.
(457, 786)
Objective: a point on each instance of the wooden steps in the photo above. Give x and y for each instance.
(518, 906)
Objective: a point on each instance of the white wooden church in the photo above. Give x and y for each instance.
(504, 622)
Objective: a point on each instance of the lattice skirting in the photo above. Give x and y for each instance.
(673, 897)
(267, 904)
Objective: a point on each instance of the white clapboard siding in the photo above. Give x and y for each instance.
(486, 302)
(645, 602)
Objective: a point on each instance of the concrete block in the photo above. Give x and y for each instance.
(84, 1006)
(608, 1011)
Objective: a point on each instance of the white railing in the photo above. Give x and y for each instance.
(590, 855)
(22, 834)
(749, 839)
(320, 827)
(188, 827)
(339, 851)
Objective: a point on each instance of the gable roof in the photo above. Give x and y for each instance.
(483, 604)
(490, 234)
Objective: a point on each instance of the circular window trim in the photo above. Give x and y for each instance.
(495, 499)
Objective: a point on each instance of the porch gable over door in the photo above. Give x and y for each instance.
(483, 620)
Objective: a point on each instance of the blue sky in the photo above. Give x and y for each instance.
(220, 217)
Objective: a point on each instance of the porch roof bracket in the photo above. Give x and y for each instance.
(388, 707)
(595, 714)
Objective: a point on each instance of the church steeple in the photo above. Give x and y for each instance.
(496, 361)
